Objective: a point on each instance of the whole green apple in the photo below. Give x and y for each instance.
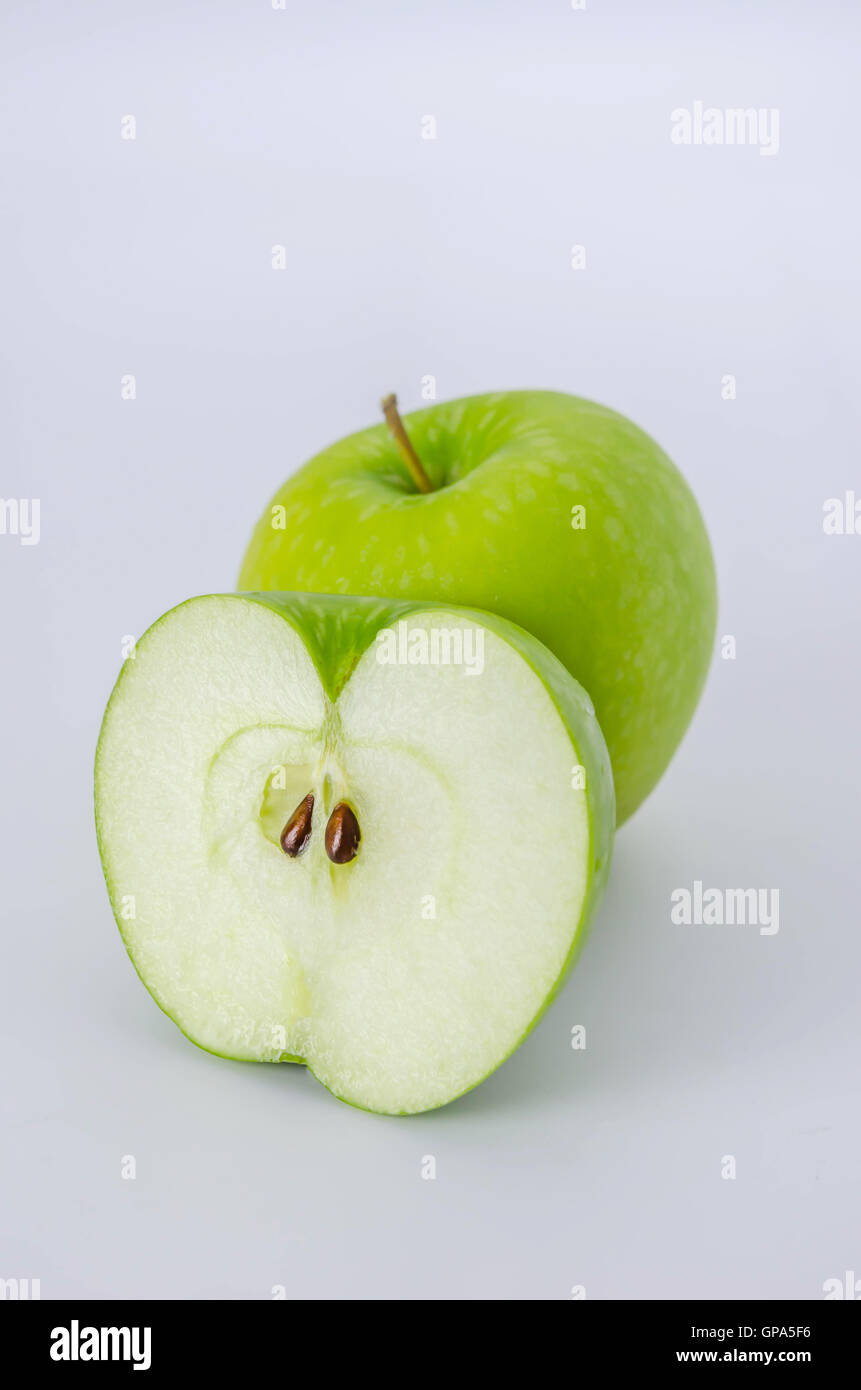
(366, 835)
(556, 512)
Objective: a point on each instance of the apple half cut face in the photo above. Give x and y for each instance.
(362, 835)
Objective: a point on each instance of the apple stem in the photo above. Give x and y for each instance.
(410, 457)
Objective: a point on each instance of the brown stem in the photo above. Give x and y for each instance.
(402, 439)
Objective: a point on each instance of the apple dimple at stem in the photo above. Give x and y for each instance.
(297, 831)
(342, 835)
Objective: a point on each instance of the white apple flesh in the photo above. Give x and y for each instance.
(405, 975)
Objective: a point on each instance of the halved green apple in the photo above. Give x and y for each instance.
(360, 834)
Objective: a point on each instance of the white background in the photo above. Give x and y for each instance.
(408, 257)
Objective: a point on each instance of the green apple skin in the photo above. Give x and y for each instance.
(627, 601)
(337, 631)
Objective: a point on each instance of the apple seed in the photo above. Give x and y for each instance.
(342, 835)
(297, 831)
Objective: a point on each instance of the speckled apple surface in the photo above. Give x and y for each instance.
(626, 598)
